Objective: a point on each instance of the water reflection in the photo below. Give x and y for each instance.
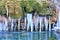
(29, 36)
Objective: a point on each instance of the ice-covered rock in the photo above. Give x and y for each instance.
(56, 28)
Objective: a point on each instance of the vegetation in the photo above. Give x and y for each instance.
(45, 9)
(2, 9)
(17, 8)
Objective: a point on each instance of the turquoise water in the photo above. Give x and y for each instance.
(29, 36)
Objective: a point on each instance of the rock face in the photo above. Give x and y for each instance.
(58, 1)
(58, 7)
(58, 30)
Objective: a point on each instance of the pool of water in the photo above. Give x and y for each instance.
(29, 35)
